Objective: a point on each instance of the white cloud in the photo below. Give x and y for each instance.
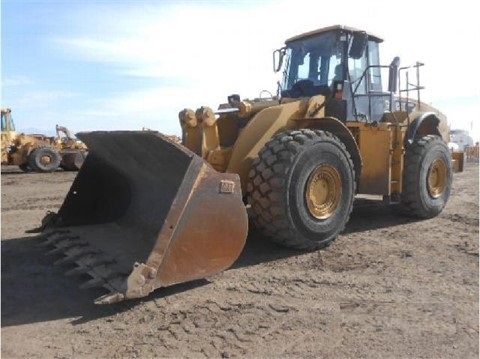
(42, 99)
(194, 43)
(206, 53)
(14, 81)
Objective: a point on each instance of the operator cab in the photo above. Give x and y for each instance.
(7, 120)
(341, 63)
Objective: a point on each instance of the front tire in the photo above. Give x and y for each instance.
(301, 189)
(44, 159)
(428, 175)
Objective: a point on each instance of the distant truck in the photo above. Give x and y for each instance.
(461, 138)
(39, 153)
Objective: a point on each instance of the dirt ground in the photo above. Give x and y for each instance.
(389, 287)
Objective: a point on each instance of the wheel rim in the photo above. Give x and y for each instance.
(45, 160)
(323, 192)
(437, 178)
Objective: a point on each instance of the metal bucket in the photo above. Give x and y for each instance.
(144, 213)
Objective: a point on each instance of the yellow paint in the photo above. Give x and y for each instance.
(261, 128)
(374, 144)
(323, 192)
(232, 141)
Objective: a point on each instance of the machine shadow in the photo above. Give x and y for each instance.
(367, 215)
(34, 290)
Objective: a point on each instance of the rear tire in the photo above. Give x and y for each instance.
(301, 189)
(44, 159)
(25, 167)
(72, 161)
(427, 180)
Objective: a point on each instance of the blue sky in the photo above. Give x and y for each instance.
(107, 65)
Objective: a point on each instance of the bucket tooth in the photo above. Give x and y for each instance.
(93, 283)
(63, 261)
(116, 286)
(76, 257)
(47, 235)
(51, 240)
(93, 260)
(81, 251)
(110, 298)
(84, 269)
(112, 283)
(77, 271)
(93, 265)
(55, 241)
(99, 268)
(104, 270)
(54, 251)
(65, 245)
(117, 283)
(70, 243)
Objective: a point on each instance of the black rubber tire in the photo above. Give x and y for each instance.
(276, 190)
(72, 161)
(25, 167)
(35, 159)
(416, 200)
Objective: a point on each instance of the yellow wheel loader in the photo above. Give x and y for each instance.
(40, 153)
(145, 212)
(72, 150)
(29, 152)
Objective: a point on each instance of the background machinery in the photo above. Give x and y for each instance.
(39, 153)
(461, 138)
(145, 212)
(71, 150)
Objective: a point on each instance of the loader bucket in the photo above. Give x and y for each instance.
(144, 212)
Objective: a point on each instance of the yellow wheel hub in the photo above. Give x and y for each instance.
(323, 192)
(437, 178)
(45, 160)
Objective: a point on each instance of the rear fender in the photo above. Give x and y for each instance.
(423, 124)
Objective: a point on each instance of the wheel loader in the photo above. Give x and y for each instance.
(71, 150)
(145, 212)
(39, 153)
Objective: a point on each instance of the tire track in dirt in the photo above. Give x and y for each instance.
(45, 203)
(385, 288)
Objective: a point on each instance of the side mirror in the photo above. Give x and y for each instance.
(393, 74)
(278, 56)
(358, 45)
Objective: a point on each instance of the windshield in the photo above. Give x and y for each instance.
(7, 122)
(356, 68)
(313, 59)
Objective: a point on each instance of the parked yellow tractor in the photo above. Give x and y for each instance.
(145, 212)
(39, 153)
(71, 150)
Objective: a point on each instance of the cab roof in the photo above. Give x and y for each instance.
(329, 29)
